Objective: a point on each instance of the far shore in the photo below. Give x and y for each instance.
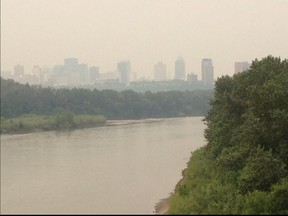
(25, 131)
(108, 123)
(132, 121)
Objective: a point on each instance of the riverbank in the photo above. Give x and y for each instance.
(162, 207)
(60, 122)
(32, 124)
(132, 121)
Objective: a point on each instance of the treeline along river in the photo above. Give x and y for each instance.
(124, 168)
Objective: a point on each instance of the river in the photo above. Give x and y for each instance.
(124, 168)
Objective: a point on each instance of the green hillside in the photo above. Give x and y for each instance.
(243, 169)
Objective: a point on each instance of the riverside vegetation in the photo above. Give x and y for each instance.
(243, 168)
(60, 121)
(26, 108)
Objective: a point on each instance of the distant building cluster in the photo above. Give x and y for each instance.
(160, 73)
(207, 71)
(124, 69)
(73, 73)
(180, 69)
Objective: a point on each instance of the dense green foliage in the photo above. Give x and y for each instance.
(61, 120)
(18, 99)
(243, 169)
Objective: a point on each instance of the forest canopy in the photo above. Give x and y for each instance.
(18, 99)
(243, 169)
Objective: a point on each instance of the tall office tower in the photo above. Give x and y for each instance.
(83, 73)
(58, 69)
(241, 66)
(94, 73)
(207, 72)
(71, 74)
(160, 73)
(36, 71)
(71, 64)
(180, 69)
(19, 70)
(124, 69)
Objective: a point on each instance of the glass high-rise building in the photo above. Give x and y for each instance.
(160, 73)
(124, 69)
(180, 69)
(207, 72)
(19, 70)
(84, 73)
(71, 64)
(94, 73)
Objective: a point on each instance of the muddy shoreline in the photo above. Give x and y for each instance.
(107, 123)
(162, 207)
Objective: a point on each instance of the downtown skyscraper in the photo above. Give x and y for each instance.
(207, 72)
(124, 69)
(180, 69)
(160, 73)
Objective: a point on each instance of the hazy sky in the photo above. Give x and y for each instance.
(104, 32)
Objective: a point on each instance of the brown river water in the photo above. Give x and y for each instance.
(125, 168)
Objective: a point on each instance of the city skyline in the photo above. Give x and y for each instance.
(171, 74)
(72, 65)
(76, 73)
(74, 61)
(145, 32)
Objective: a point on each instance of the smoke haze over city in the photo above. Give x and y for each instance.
(104, 32)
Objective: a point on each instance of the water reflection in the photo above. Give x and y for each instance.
(126, 168)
